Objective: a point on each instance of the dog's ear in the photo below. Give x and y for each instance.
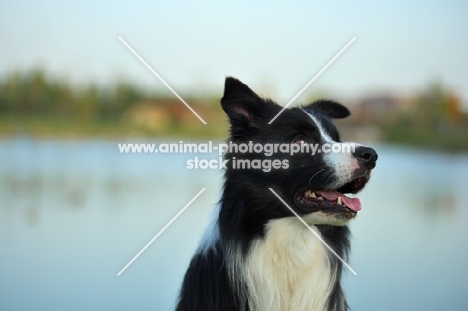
(329, 108)
(239, 102)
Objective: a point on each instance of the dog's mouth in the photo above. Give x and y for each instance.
(332, 201)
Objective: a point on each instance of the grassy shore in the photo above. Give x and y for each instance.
(43, 127)
(448, 139)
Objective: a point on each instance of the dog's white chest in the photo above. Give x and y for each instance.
(289, 269)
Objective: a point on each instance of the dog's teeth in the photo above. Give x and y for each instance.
(320, 198)
(339, 201)
(310, 194)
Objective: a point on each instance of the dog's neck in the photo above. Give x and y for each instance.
(285, 267)
(290, 269)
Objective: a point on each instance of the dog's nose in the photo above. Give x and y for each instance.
(366, 156)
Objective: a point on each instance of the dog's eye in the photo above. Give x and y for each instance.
(300, 140)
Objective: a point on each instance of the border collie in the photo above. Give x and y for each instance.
(256, 255)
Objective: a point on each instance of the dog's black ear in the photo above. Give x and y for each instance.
(329, 108)
(239, 102)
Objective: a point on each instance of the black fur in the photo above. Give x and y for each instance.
(206, 284)
(247, 205)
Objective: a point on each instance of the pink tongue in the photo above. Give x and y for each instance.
(351, 203)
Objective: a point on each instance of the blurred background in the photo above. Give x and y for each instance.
(74, 210)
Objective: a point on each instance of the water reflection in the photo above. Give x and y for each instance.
(73, 213)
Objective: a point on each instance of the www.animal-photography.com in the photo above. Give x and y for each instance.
(208, 156)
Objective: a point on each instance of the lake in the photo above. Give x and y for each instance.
(74, 213)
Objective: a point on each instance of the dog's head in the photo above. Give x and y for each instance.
(314, 180)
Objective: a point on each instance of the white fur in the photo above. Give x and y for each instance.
(325, 136)
(288, 269)
(343, 163)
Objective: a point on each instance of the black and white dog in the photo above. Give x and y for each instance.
(256, 255)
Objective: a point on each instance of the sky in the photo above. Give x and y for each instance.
(274, 47)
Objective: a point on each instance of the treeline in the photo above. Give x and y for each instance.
(35, 94)
(433, 118)
(435, 107)
(38, 104)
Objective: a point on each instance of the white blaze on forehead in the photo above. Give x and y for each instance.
(342, 163)
(320, 127)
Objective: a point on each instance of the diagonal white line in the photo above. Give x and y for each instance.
(315, 233)
(313, 79)
(161, 79)
(160, 232)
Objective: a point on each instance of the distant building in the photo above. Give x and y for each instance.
(377, 108)
(160, 114)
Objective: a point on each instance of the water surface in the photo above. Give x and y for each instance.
(72, 214)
